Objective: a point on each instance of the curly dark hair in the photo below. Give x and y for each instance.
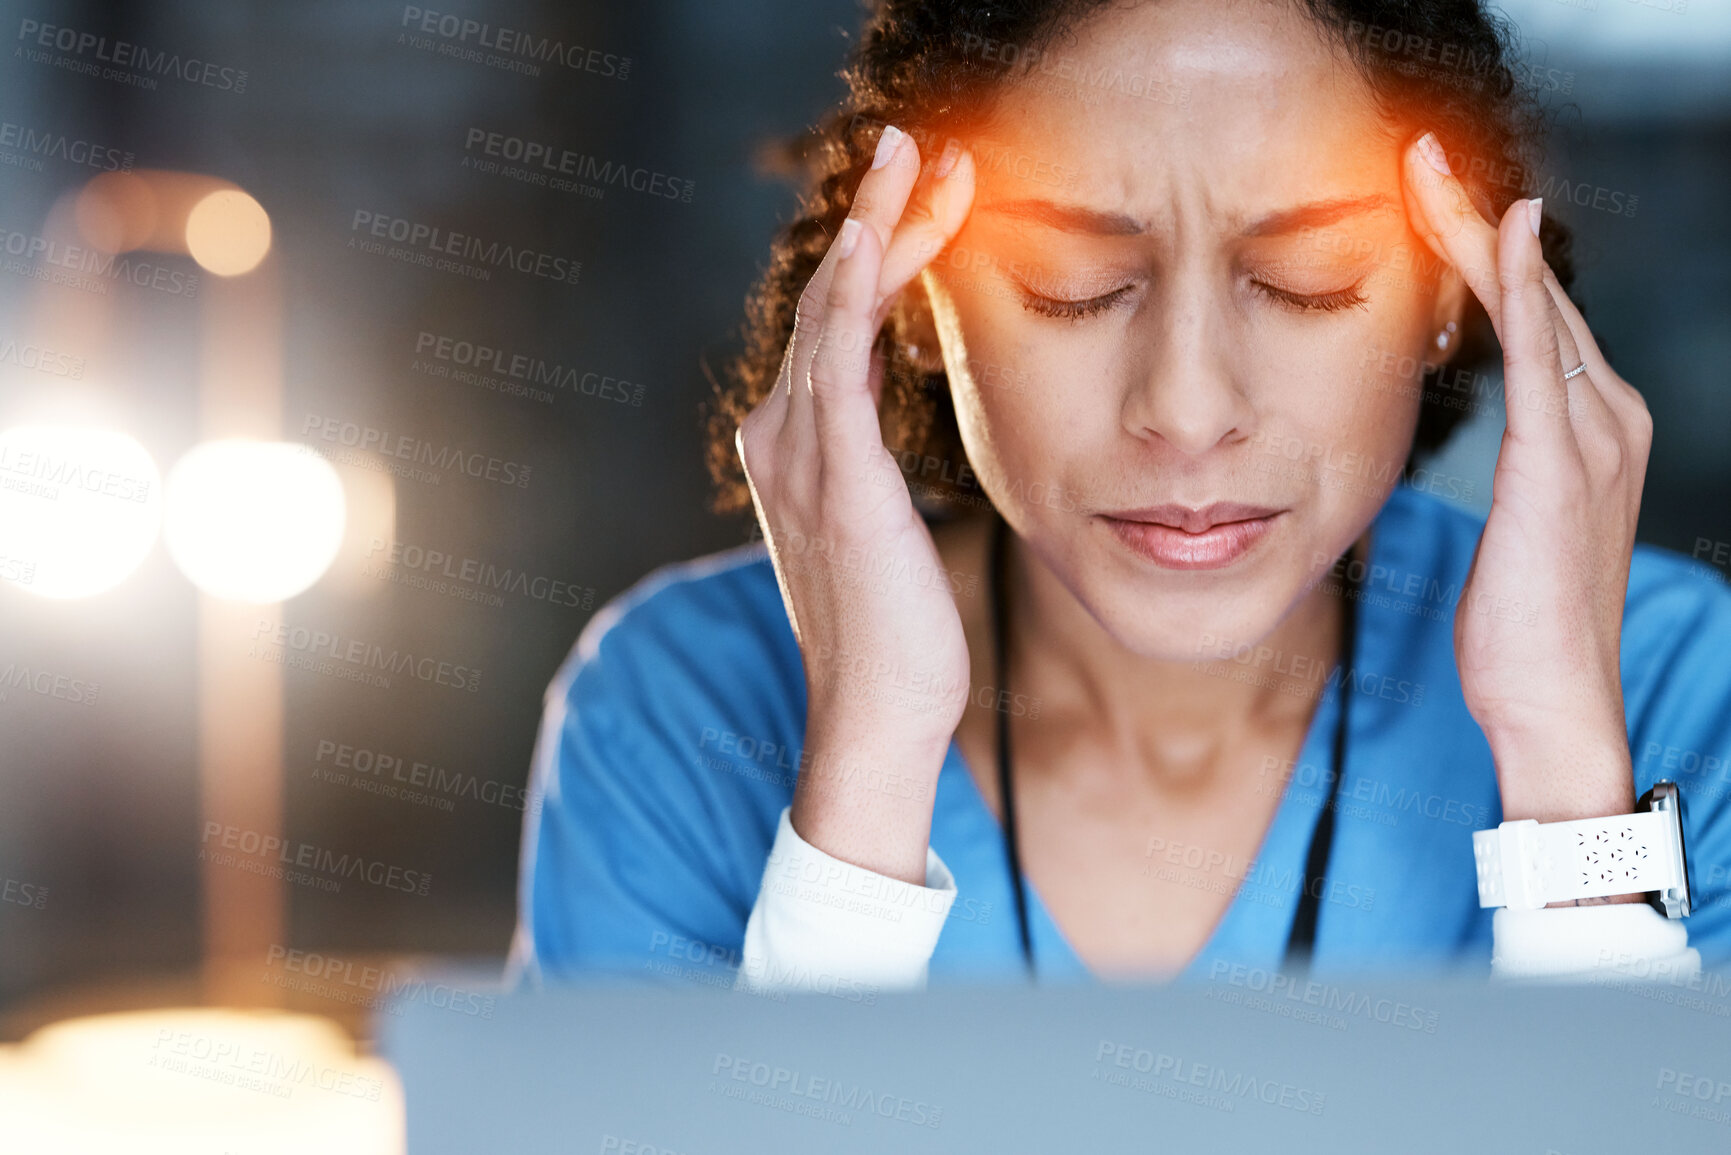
(928, 66)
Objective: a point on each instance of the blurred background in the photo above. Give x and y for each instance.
(313, 225)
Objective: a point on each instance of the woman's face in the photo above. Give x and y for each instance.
(1181, 300)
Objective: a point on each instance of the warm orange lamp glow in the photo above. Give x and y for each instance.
(228, 233)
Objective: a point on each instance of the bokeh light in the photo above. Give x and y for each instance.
(228, 233)
(79, 508)
(195, 1080)
(116, 212)
(253, 521)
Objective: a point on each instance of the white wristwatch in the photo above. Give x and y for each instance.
(1525, 864)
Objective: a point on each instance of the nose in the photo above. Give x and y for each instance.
(1183, 390)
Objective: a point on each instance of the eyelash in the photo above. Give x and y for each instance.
(1071, 310)
(1347, 298)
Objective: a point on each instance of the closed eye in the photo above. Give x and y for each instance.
(1346, 298)
(1072, 310)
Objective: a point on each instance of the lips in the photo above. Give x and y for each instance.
(1179, 537)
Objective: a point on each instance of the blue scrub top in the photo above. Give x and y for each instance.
(671, 740)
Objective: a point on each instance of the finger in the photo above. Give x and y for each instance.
(1596, 426)
(1568, 349)
(1586, 346)
(844, 413)
(769, 418)
(877, 204)
(933, 217)
(1445, 217)
(1612, 420)
(1534, 392)
(1623, 398)
(775, 402)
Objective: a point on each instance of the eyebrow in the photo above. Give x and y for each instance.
(1076, 219)
(1068, 218)
(1317, 214)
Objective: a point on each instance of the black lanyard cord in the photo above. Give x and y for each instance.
(1303, 937)
(999, 562)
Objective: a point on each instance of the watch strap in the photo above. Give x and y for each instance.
(1525, 864)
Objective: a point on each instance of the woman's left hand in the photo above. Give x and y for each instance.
(1539, 624)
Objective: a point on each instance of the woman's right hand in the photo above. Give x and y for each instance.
(886, 663)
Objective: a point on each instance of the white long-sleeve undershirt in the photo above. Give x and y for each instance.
(820, 922)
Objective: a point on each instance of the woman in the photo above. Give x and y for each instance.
(1144, 287)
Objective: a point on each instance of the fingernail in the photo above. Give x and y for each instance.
(887, 145)
(946, 162)
(1432, 151)
(847, 238)
(1535, 210)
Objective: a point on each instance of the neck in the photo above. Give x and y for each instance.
(1167, 719)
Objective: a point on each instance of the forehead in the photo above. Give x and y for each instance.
(1230, 107)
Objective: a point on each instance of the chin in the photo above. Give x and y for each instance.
(1192, 628)
(1186, 614)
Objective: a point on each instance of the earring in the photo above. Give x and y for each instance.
(1442, 339)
